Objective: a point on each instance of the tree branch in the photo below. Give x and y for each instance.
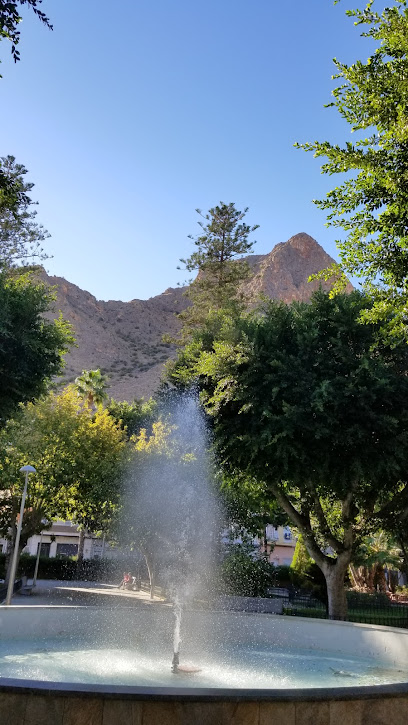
(332, 541)
(302, 522)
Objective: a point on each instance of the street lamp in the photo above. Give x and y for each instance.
(27, 470)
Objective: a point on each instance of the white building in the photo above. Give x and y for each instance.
(62, 539)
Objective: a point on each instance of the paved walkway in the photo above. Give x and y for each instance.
(80, 593)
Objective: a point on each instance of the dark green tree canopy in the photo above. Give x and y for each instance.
(309, 401)
(11, 193)
(304, 391)
(371, 204)
(31, 347)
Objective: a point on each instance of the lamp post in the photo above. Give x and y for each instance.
(27, 470)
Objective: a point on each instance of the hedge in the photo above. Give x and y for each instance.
(106, 570)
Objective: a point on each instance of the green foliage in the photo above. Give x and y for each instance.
(304, 395)
(374, 553)
(247, 504)
(78, 456)
(31, 346)
(65, 568)
(10, 19)
(377, 549)
(20, 235)
(219, 263)
(301, 559)
(305, 403)
(361, 600)
(91, 387)
(12, 193)
(305, 574)
(183, 372)
(133, 416)
(243, 574)
(371, 204)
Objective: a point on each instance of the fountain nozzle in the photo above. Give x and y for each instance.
(175, 663)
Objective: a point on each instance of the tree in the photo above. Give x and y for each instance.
(91, 387)
(247, 506)
(10, 19)
(79, 460)
(304, 403)
(20, 236)
(11, 193)
(133, 416)
(31, 347)
(368, 568)
(246, 572)
(218, 261)
(371, 205)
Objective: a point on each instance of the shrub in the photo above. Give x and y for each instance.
(358, 600)
(65, 568)
(244, 575)
(282, 575)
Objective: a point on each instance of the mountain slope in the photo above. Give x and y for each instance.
(124, 339)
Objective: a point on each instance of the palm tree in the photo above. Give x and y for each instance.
(91, 386)
(375, 553)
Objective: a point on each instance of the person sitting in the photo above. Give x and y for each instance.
(125, 580)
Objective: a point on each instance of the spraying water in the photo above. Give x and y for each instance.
(171, 515)
(177, 635)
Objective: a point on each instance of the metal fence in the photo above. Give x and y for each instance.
(363, 608)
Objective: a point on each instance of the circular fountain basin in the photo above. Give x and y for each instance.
(102, 666)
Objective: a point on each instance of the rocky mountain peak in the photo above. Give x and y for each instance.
(283, 274)
(125, 339)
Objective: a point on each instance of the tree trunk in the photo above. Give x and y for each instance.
(334, 574)
(356, 577)
(380, 582)
(150, 569)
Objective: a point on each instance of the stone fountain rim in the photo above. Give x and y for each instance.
(123, 692)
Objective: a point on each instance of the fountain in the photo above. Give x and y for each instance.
(184, 663)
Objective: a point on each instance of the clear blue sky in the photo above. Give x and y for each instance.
(132, 114)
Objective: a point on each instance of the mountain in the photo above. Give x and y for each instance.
(124, 339)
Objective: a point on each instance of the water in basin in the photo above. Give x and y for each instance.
(243, 667)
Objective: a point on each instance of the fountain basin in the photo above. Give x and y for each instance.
(246, 659)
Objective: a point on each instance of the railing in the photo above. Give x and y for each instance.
(362, 608)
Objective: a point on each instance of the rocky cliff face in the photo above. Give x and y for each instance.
(124, 339)
(283, 273)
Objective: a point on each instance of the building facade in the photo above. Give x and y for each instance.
(62, 539)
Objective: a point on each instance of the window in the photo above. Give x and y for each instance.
(67, 549)
(45, 549)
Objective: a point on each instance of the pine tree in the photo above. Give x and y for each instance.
(218, 261)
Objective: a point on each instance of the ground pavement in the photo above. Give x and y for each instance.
(80, 593)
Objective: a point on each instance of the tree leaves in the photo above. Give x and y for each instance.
(372, 204)
(219, 263)
(10, 19)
